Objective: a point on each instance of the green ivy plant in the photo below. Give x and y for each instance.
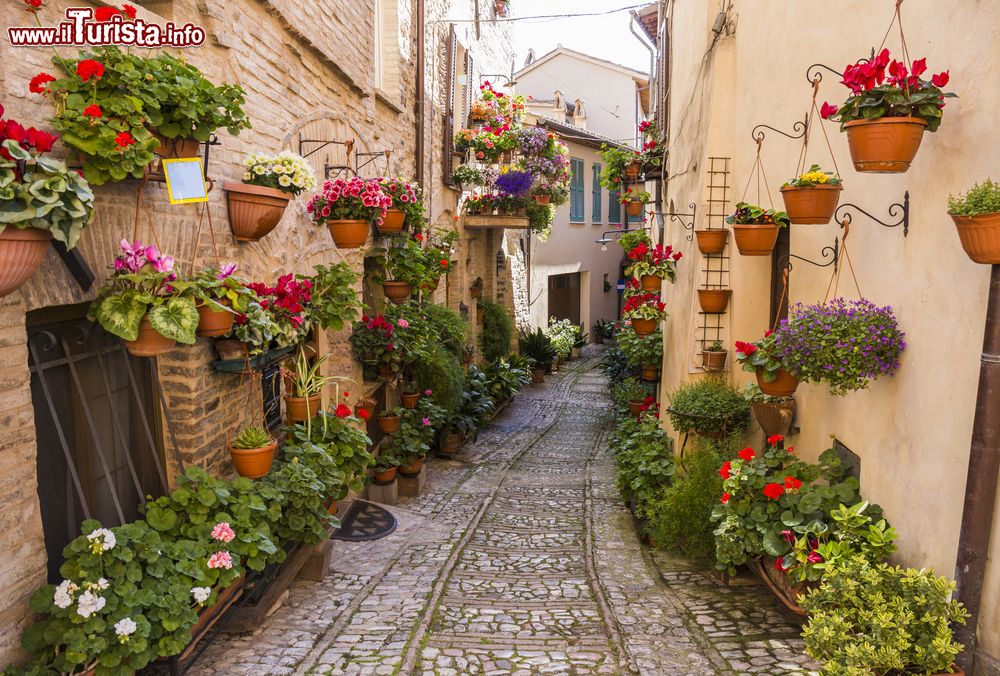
(334, 303)
(982, 198)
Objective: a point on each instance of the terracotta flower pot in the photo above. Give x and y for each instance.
(711, 242)
(410, 399)
(780, 584)
(397, 292)
(431, 286)
(385, 372)
(349, 234)
(774, 418)
(253, 463)
(149, 343)
(635, 407)
(886, 145)
(714, 301)
(651, 282)
(542, 199)
(412, 469)
(980, 237)
(634, 208)
(811, 206)
(386, 476)
(213, 322)
(782, 386)
(755, 239)
(644, 327)
(649, 373)
(367, 405)
(450, 444)
(537, 376)
(171, 148)
(633, 169)
(331, 508)
(21, 253)
(389, 424)
(254, 210)
(301, 409)
(393, 221)
(712, 360)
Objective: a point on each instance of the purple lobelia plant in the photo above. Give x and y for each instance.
(515, 182)
(844, 343)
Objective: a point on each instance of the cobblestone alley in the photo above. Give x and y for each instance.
(518, 558)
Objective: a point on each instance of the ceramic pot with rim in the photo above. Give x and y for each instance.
(393, 221)
(174, 148)
(389, 424)
(634, 208)
(885, 145)
(213, 322)
(412, 469)
(348, 234)
(979, 236)
(714, 301)
(410, 399)
(301, 409)
(254, 210)
(21, 253)
(385, 477)
(635, 407)
(774, 417)
(253, 463)
(712, 242)
(149, 342)
(633, 169)
(649, 373)
(651, 283)
(396, 291)
(537, 376)
(784, 385)
(714, 360)
(542, 199)
(755, 239)
(367, 405)
(450, 444)
(644, 327)
(814, 205)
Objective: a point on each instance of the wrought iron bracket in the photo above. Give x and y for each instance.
(679, 218)
(616, 234)
(825, 252)
(896, 210)
(813, 74)
(358, 165)
(327, 167)
(758, 132)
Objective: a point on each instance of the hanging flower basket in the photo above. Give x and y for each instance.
(393, 222)
(173, 148)
(21, 253)
(253, 463)
(301, 409)
(149, 342)
(886, 145)
(348, 234)
(213, 321)
(714, 301)
(712, 242)
(395, 291)
(644, 327)
(633, 169)
(634, 208)
(410, 399)
(650, 373)
(651, 282)
(542, 199)
(774, 417)
(784, 384)
(755, 239)
(254, 210)
(714, 360)
(814, 205)
(431, 286)
(389, 424)
(978, 232)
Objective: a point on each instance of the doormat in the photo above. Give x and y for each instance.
(365, 521)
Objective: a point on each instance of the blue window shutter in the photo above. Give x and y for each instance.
(596, 207)
(576, 203)
(614, 207)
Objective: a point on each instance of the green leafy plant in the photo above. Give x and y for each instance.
(753, 394)
(709, 406)
(465, 175)
(250, 438)
(538, 348)
(751, 214)
(334, 301)
(439, 246)
(982, 198)
(403, 262)
(874, 618)
(814, 177)
(40, 192)
(447, 327)
(615, 159)
(641, 351)
(562, 335)
(305, 377)
(630, 240)
(717, 347)
(645, 458)
(437, 370)
(475, 406)
(626, 390)
(498, 331)
(257, 330)
(343, 440)
(506, 377)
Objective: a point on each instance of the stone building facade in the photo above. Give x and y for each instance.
(323, 71)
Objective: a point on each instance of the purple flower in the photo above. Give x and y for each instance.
(163, 264)
(515, 183)
(226, 270)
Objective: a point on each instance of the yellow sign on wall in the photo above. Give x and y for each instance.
(185, 180)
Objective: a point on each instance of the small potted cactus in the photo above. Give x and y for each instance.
(253, 452)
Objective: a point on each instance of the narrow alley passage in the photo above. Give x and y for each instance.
(518, 558)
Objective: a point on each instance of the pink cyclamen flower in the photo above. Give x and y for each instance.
(814, 557)
(226, 270)
(164, 264)
(220, 560)
(402, 323)
(428, 393)
(426, 422)
(223, 532)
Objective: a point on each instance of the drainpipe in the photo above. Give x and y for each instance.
(419, 104)
(981, 484)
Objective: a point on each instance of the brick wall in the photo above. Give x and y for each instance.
(305, 66)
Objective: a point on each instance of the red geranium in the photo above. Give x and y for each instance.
(93, 110)
(38, 84)
(362, 413)
(124, 140)
(343, 410)
(774, 439)
(726, 469)
(639, 252)
(33, 6)
(129, 11)
(725, 498)
(792, 484)
(747, 454)
(745, 348)
(773, 491)
(88, 68)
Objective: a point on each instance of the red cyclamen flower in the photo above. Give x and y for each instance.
(827, 110)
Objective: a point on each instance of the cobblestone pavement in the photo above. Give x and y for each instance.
(518, 558)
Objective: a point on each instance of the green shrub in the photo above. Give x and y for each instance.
(538, 348)
(982, 198)
(709, 406)
(871, 618)
(641, 351)
(438, 370)
(645, 458)
(563, 334)
(498, 331)
(445, 326)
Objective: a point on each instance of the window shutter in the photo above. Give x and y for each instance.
(470, 90)
(449, 114)
(576, 203)
(596, 193)
(614, 208)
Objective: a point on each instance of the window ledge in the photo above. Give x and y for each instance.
(389, 100)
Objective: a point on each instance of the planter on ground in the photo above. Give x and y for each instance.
(537, 376)
(450, 444)
(813, 205)
(253, 463)
(712, 242)
(755, 239)
(21, 253)
(780, 584)
(886, 145)
(254, 210)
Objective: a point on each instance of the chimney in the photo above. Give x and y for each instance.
(559, 107)
(579, 115)
(530, 59)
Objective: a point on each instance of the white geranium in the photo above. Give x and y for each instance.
(125, 627)
(63, 596)
(286, 170)
(89, 603)
(102, 540)
(100, 585)
(201, 594)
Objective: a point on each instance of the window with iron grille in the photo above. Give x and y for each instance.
(577, 208)
(595, 210)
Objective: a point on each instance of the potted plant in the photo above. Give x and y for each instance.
(887, 111)
(139, 304)
(910, 611)
(756, 229)
(634, 201)
(710, 407)
(465, 175)
(761, 359)
(341, 438)
(333, 301)
(773, 414)
(812, 198)
(257, 204)
(977, 220)
(409, 399)
(385, 467)
(219, 296)
(634, 394)
(645, 311)
(643, 353)
(437, 252)
(404, 267)
(42, 200)
(278, 318)
(618, 163)
(252, 451)
(579, 342)
(712, 242)
(539, 349)
(714, 301)
(305, 384)
(348, 207)
(713, 357)
(389, 419)
(652, 266)
(407, 205)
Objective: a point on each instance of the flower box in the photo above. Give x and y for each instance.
(479, 222)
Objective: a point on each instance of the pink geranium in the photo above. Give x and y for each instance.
(220, 560)
(223, 532)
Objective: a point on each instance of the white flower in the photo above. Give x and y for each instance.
(125, 627)
(63, 596)
(284, 181)
(246, 176)
(102, 540)
(100, 585)
(201, 594)
(89, 603)
(259, 169)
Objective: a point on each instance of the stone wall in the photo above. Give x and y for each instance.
(306, 67)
